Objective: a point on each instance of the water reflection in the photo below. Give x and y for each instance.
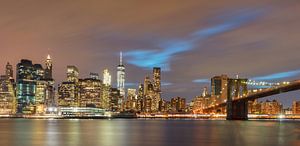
(122, 132)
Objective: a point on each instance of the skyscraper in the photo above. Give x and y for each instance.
(72, 73)
(106, 78)
(157, 79)
(114, 99)
(48, 83)
(157, 88)
(140, 98)
(121, 76)
(147, 83)
(219, 87)
(7, 92)
(9, 71)
(90, 92)
(25, 84)
(105, 97)
(48, 69)
(178, 104)
(148, 95)
(131, 100)
(68, 92)
(31, 86)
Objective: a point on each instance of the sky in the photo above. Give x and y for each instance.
(190, 40)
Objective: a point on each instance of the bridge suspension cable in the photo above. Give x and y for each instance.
(263, 83)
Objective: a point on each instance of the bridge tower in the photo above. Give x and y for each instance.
(236, 110)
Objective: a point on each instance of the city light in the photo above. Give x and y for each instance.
(93, 97)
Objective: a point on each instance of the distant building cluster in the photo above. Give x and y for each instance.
(271, 107)
(219, 93)
(34, 92)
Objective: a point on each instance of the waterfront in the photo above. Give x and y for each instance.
(148, 132)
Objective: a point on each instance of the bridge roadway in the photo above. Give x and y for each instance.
(292, 86)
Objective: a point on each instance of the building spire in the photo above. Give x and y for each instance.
(121, 58)
(48, 57)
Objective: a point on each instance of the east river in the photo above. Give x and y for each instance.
(148, 132)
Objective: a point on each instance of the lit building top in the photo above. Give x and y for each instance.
(48, 69)
(72, 73)
(106, 78)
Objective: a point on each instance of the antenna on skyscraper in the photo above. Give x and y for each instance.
(48, 54)
(121, 57)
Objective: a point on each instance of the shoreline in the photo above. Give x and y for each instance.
(137, 117)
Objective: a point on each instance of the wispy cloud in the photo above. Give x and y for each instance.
(165, 50)
(166, 84)
(277, 76)
(133, 85)
(201, 81)
(160, 58)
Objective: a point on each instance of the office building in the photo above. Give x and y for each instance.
(296, 107)
(121, 76)
(219, 87)
(178, 104)
(114, 98)
(68, 91)
(271, 107)
(72, 73)
(90, 92)
(8, 101)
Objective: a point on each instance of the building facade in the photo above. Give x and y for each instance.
(8, 102)
(296, 107)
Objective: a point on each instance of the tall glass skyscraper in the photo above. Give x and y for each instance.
(34, 89)
(121, 76)
(26, 84)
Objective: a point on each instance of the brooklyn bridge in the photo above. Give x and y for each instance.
(238, 95)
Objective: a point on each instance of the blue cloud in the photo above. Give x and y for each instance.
(277, 76)
(166, 84)
(165, 50)
(159, 58)
(131, 84)
(229, 23)
(201, 81)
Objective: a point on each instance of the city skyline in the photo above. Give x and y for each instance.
(149, 72)
(246, 38)
(74, 77)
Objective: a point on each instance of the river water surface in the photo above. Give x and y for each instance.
(143, 132)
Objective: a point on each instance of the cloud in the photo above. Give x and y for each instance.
(277, 76)
(131, 84)
(157, 58)
(166, 84)
(201, 81)
(164, 51)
